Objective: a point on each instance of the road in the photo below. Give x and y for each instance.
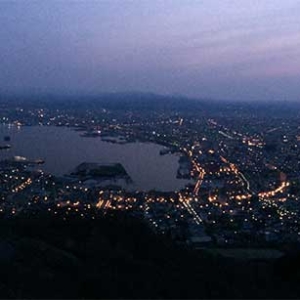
(190, 209)
(234, 169)
(200, 178)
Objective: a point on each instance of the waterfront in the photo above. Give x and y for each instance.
(63, 149)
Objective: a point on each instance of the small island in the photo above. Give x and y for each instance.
(100, 171)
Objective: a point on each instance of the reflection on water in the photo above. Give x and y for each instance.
(63, 149)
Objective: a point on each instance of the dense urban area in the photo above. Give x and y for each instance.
(244, 166)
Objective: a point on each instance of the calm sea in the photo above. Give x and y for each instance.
(63, 149)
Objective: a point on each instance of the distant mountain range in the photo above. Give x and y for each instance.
(151, 101)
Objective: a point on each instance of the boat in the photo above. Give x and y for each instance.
(39, 161)
(3, 147)
(19, 158)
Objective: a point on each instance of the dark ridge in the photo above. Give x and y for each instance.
(118, 256)
(138, 101)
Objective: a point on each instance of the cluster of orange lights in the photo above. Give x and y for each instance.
(280, 189)
(22, 186)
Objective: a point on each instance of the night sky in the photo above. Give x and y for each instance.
(235, 49)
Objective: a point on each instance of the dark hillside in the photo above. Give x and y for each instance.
(117, 256)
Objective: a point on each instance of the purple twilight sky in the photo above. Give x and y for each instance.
(224, 49)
